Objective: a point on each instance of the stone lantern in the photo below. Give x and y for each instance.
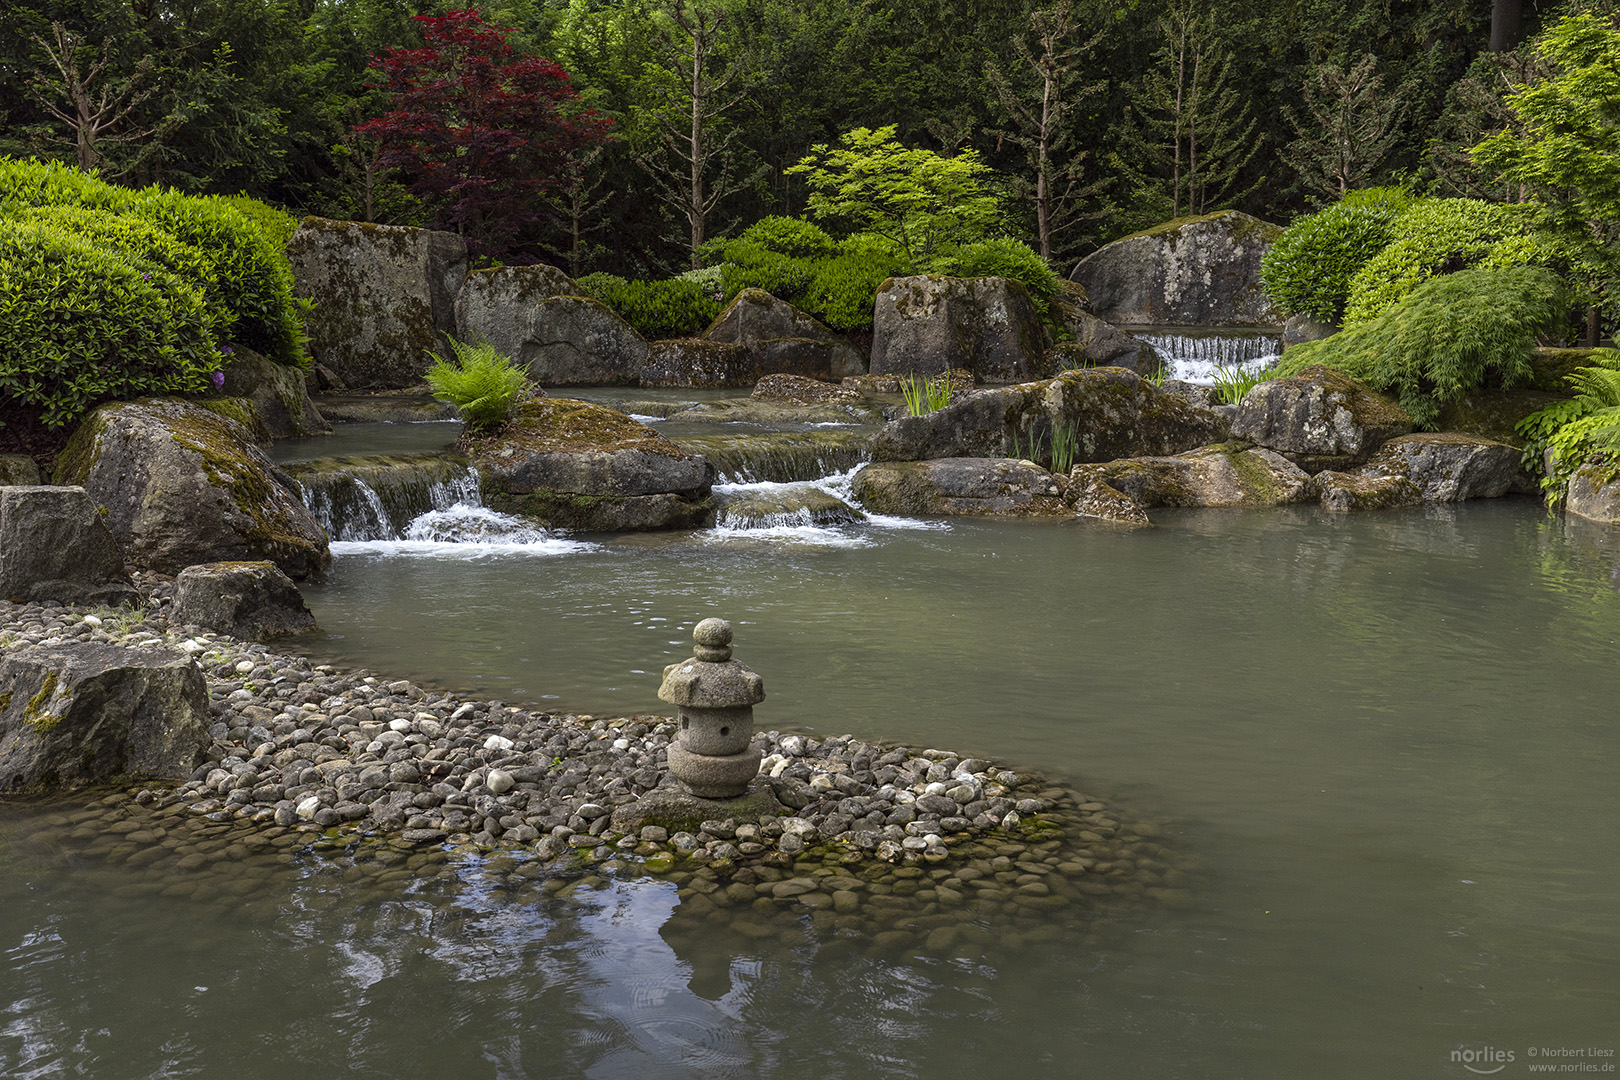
(711, 756)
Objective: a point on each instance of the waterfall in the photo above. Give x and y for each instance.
(1194, 353)
(780, 457)
(379, 497)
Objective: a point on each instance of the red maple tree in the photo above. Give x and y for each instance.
(481, 131)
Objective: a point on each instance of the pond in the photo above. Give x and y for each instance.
(1389, 739)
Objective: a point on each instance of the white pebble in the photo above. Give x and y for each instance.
(400, 725)
(621, 744)
(307, 808)
(91, 620)
(497, 742)
(245, 666)
(193, 647)
(499, 781)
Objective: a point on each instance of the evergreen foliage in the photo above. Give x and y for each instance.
(1567, 149)
(82, 323)
(484, 386)
(1449, 336)
(1438, 236)
(1350, 126)
(668, 308)
(1309, 269)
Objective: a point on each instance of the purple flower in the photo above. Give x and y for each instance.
(219, 379)
(227, 350)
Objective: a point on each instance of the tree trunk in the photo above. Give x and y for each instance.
(1505, 28)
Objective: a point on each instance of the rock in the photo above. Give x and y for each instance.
(781, 339)
(769, 411)
(1594, 493)
(81, 712)
(373, 496)
(1449, 467)
(540, 318)
(574, 465)
(799, 390)
(278, 394)
(1098, 344)
(384, 297)
(1494, 414)
(1197, 271)
(183, 485)
(384, 408)
(1344, 492)
(1320, 418)
(1227, 475)
(254, 601)
(698, 364)
(55, 546)
(1091, 496)
(929, 324)
(18, 470)
(1113, 413)
(1000, 487)
(1298, 329)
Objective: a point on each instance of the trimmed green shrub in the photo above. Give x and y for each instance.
(1451, 335)
(81, 324)
(1577, 429)
(484, 385)
(673, 307)
(277, 225)
(249, 277)
(791, 236)
(1440, 236)
(1308, 270)
(1007, 258)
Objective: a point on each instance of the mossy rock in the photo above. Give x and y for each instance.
(182, 484)
(1550, 368)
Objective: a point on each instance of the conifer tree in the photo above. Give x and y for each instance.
(1349, 127)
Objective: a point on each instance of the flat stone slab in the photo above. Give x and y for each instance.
(677, 811)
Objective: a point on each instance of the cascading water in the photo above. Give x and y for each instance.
(413, 504)
(1195, 353)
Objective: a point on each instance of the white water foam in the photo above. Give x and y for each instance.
(1195, 358)
(464, 531)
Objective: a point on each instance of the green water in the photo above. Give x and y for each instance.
(1391, 737)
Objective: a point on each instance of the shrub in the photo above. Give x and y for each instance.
(483, 385)
(1007, 258)
(791, 236)
(277, 225)
(81, 324)
(1577, 429)
(1451, 335)
(674, 307)
(1440, 236)
(248, 276)
(1308, 270)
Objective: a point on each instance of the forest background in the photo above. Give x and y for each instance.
(1282, 104)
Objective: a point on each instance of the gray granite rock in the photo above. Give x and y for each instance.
(250, 600)
(54, 545)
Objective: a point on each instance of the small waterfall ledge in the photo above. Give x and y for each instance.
(1195, 353)
(379, 496)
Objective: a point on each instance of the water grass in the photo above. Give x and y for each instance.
(1232, 384)
(924, 396)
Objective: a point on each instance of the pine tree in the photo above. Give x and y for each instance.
(1349, 127)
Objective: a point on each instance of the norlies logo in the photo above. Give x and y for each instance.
(1484, 1061)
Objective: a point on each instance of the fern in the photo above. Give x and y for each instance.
(484, 385)
(1566, 434)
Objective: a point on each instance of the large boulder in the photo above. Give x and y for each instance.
(54, 546)
(1449, 467)
(1197, 271)
(384, 297)
(981, 486)
(693, 363)
(1223, 475)
(81, 712)
(781, 339)
(250, 600)
(929, 324)
(1112, 413)
(1594, 493)
(538, 316)
(574, 465)
(1320, 418)
(181, 485)
(278, 394)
